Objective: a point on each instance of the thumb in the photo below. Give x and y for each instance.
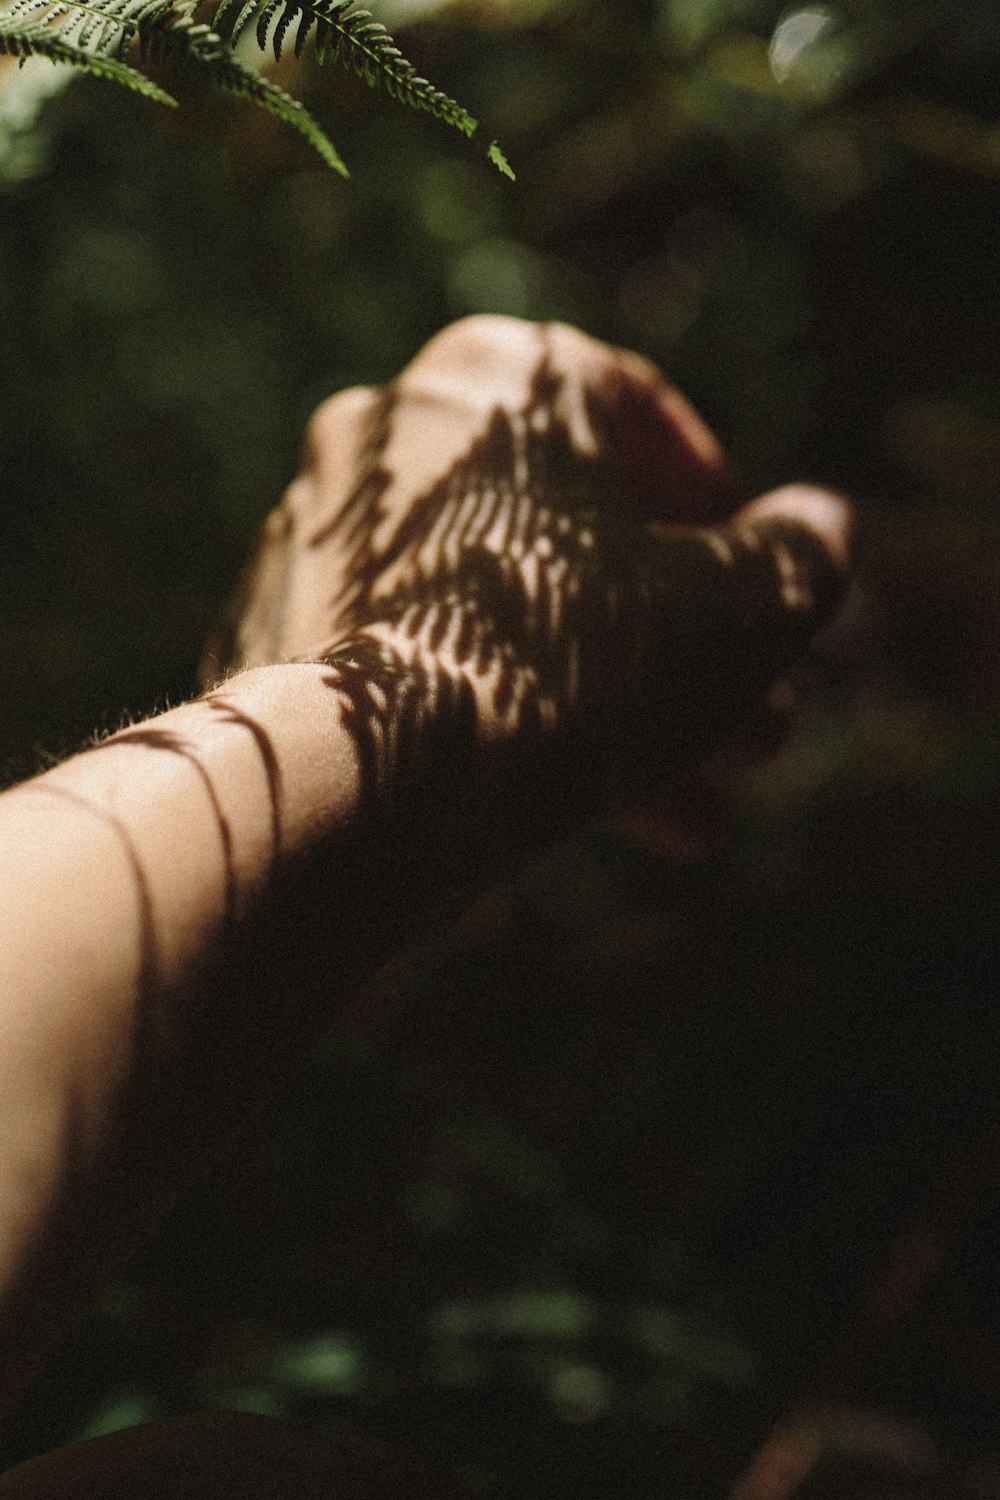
(791, 553)
(738, 603)
(824, 513)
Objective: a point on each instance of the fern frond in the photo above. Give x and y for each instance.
(500, 161)
(95, 35)
(94, 27)
(247, 84)
(41, 41)
(173, 36)
(352, 38)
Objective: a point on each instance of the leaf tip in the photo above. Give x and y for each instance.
(500, 161)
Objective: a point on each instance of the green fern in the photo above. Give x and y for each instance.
(41, 41)
(96, 35)
(90, 28)
(351, 38)
(183, 41)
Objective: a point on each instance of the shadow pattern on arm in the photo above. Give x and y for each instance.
(521, 594)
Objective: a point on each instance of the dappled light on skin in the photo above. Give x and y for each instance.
(521, 593)
(165, 739)
(98, 1074)
(269, 760)
(147, 960)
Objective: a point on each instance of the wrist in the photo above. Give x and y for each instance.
(408, 712)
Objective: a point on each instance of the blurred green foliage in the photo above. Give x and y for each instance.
(586, 1223)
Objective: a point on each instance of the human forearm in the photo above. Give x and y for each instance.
(150, 966)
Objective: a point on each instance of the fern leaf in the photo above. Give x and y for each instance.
(172, 35)
(247, 84)
(244, 15)
(91, 28)
(359, 43)
(95, 26)
(305, 22)
(264, 18)
(220, 19)
(500, 161)
(168, 34)
(41, 41)
(366, 46)
(96, 34)
(284, 21)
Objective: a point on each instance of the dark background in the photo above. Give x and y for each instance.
(684, 1147)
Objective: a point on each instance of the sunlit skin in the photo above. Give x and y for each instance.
(502, 590)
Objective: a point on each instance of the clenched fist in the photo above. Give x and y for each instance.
(533, 531)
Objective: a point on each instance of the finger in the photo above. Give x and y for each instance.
(333, 448)
(611, 404)
(785, 558)
(821, 511)
(674, 467)
(738, 603)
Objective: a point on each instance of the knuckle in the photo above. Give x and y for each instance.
(480, 334)
(490, 357)
(482, 349)
(571, 348)
(473, 366)
(332, 420)
(640, 371)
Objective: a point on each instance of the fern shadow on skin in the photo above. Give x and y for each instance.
(167, 740)
(476, 590)
(512, 646)
(522, 589)
(164, 1121)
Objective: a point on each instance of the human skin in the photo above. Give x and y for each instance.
(500, 595)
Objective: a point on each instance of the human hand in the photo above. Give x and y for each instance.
(526, 530)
